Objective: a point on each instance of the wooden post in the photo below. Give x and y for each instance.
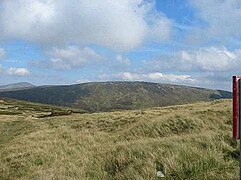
(236, 107)
(239, 120)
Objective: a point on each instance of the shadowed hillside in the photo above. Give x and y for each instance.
(184, 142)
(108, 96)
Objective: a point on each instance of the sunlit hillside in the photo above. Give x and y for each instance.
(184, 142)
(110, 96)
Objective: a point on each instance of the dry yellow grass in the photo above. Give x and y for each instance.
(184, 142)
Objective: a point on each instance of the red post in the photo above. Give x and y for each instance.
(235, 108)
(236, 112)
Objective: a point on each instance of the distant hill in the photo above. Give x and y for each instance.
(16, 86)
(108, 96)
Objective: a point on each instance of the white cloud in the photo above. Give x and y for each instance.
(18, 71)
(129, 76)
(214, 59)
(159, 30)
(122, 60)
(212, 80)
(73, 57)
(119, 24)
(2, 53)
(83, 81)
(221, 19)
(210, 67)
(13, 71)
(155, 77)
(210, 59)
(69, 58)
(168, 77)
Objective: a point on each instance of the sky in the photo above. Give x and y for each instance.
(188, 42)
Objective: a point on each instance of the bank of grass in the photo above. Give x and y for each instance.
(184, 142)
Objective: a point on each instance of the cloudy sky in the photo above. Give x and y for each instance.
(190, 42)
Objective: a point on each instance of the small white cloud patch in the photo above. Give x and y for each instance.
(72, 57)
(123, 60)
(155, 77)
(18, 71)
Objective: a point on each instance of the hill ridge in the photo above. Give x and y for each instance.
(16, 86)
(116, 95)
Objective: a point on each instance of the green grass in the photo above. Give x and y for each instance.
(184, 142)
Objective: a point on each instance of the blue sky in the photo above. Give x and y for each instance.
(189, 42)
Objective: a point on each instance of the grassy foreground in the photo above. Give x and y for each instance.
(184, 142)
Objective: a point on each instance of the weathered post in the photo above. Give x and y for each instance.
(235, 107)
(236, 113)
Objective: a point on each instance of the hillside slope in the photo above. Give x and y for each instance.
(108, 96)
(184, 142)
(16, 86)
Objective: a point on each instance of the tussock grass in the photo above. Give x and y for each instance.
(184, 142)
